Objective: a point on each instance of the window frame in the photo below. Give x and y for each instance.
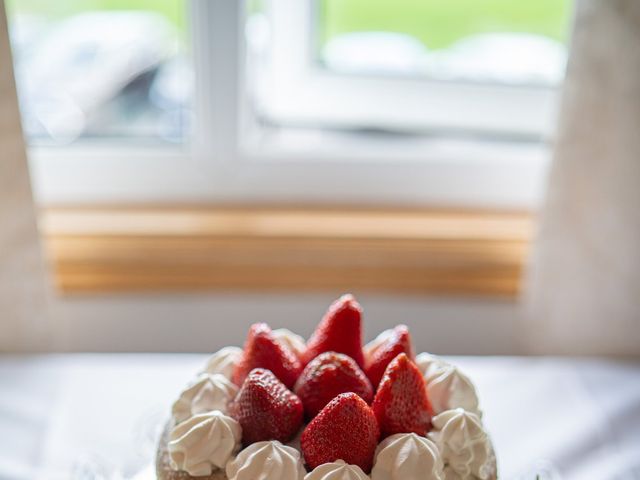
(383, 102)
(246, 163)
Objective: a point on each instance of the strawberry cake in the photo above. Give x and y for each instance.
(327, 409)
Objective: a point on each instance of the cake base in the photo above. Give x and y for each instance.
(165, 472)
(163, 464)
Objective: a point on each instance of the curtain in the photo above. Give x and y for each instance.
(22, 286)
(584, 283)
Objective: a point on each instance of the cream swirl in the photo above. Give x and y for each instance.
(223, 361)
(464, 445)
(338, 470)
(204, 443)
(293, 341)
(407, 456)
(267, 461)
(447, 386)
(207, 393)
(428, 363)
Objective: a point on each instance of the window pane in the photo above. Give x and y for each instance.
(91, 69)
(503, 41)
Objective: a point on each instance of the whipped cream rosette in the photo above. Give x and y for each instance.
(204, 443)
(338, 470)
(464, 445)
(207, 393)
(267, 461)
(448, 387)
(223, 361)
(407, 456)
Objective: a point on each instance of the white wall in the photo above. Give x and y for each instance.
(204, 323)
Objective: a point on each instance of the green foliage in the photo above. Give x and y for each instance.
(173, 10)
(439, 23)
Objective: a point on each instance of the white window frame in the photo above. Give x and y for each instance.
(230, 159)
(301, 92)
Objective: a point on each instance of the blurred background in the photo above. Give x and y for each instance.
(200, 162)
(112, 69)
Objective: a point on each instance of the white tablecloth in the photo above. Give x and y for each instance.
(87, 417)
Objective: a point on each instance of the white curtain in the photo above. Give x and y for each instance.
(584, 289)
(22, 283)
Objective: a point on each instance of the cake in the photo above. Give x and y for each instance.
(327, 409)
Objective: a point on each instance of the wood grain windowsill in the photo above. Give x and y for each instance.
(187, 249)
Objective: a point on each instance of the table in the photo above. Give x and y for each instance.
(77, 417)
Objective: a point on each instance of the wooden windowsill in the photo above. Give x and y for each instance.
(186, 249)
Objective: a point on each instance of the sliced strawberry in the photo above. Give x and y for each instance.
(263, 350)
(327, 376)
(401, 404)
(346, 429)
(397, 342)
(266, 409)
(339, 331)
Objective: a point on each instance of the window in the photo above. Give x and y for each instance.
(101, 69)
(296, 101)
(480, 41)
(414, 65)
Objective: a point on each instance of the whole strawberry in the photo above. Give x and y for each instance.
(397, 341)
(340, 330)
(346, 429)
(263, 350)
(266, 409)
(327, 376)
(401, 404)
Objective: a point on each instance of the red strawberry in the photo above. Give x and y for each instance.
(265, 409)
(346, 429)
(328, 375)
(339, 331)
(263, 350)
(399, 341)
(401, 404)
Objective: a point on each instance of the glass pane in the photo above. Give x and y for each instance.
(99, 69)
(499, 41)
